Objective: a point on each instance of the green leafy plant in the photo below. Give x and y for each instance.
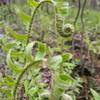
(33, 69)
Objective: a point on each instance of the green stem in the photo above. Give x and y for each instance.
(21, 75)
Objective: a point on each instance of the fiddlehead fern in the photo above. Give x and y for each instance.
(64, 30)
(21, 75)
(43, 20)
(35, 11)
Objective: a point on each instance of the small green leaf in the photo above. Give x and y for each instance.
(9, 80)
(19, 37)
(14, 67)
(69, 65)
(32, 91)
(8, 46)
(41, 51)
(95, 94)
(24, 17)
(55, 62)
(6, 91)
(66, 77)
(32, 3)
(28, 51)
(67, 57)
(18, 54)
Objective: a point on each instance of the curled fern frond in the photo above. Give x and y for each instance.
(28, 66)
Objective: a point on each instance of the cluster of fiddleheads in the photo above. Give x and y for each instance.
(63, 30)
